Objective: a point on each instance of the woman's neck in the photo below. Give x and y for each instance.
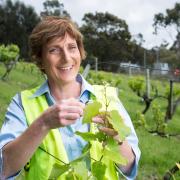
(65, 91)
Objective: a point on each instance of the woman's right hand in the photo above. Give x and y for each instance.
(63, 113)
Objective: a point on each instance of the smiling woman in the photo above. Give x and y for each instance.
(40, 124)
(61, 60)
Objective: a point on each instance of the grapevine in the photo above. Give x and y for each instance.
(78, 169)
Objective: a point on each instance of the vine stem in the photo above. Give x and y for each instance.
(53, 156)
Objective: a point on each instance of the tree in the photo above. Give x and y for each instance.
(54, 7)
(137, 49)
(106, 37)
(170, 19)
(16, 23)
(9, 56)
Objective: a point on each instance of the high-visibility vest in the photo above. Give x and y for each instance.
(41, 164)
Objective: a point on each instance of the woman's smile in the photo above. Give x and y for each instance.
(66, 68)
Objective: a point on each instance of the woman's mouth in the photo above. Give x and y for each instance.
(66, 68)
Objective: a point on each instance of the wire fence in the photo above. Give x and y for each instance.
(135, 70)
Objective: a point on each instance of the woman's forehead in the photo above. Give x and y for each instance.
(66, 39)
(62, 39)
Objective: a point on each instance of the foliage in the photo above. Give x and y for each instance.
(102, 78)
(170, 19)
(158, 117)
(16, 23)
(8, 56)
(136, 84)
(140, 120)
(176, 91)
(106, 37)
(168, 56)
(54, 8)
(8, 53)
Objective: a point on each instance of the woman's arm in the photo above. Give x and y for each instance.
(18, 152)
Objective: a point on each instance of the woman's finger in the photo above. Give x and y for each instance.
(98, 120)
(72, 109)
(108, 131)
(69, 116)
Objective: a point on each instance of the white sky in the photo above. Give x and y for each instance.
(138, 14)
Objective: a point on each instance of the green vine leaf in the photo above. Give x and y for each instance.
(115, 156)
(90, 111)
(58, 170)
(98, 170)
(88, 136)
(80, 170)
(86, 148)
(71, 176)
(118, 124)
(112, 151)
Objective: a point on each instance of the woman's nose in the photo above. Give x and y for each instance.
(66, 55)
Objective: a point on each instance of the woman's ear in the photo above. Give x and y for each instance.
(41, 65)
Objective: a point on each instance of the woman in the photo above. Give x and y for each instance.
(43, 120)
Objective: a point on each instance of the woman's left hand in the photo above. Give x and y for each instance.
(107, 130)
(125, 148)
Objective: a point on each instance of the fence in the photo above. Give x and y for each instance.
(131, 70)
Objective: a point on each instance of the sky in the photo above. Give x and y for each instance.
(138, 14)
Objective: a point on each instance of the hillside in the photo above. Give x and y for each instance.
(158, 153)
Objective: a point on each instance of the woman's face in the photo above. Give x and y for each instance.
(61, 59)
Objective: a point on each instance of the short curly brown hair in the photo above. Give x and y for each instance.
(49, 28)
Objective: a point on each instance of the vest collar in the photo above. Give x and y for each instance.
(44, 88)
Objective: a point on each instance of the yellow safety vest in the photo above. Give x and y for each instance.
(41, 164)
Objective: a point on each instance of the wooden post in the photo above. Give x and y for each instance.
(169, 111)
(171, 97)
(96, 64)
(147, 83)
(144, 58)
(130, 70)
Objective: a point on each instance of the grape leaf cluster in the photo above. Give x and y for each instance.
(78, 169)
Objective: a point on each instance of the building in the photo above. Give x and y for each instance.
(160, 69)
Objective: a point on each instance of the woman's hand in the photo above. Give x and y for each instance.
(107, 130)
(63, 113)
(124, 148)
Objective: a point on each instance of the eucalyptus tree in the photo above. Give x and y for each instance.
(171, 18)
(106, 37)
(55, 8)
(16, 23)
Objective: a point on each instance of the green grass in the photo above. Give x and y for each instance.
(20, 78)
(158, 154)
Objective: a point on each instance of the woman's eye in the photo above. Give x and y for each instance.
(54, 51)
(73, 47)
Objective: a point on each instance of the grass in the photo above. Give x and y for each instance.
(20, 78)
(158, 154)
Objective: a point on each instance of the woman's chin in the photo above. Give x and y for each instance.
(67, 79)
